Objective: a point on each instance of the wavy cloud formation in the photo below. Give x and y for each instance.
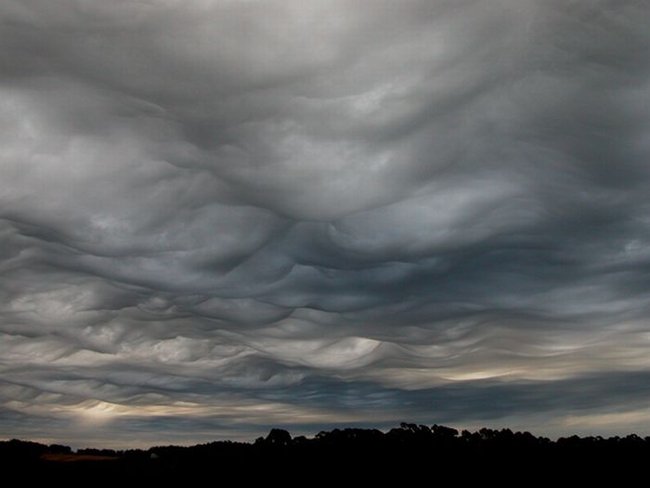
(217, 216)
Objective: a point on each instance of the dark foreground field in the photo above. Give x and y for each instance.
(408, 453)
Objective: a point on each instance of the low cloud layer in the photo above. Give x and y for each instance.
(221, 216)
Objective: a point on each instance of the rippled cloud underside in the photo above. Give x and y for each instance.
(221, 216)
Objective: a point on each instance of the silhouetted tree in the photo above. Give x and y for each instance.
(441, 432)
(278, 437)
(59, 449)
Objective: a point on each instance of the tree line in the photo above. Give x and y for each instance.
(404, 451)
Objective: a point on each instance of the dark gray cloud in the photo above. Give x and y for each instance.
(218, 216)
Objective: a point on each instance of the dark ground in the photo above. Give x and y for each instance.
(410, 453)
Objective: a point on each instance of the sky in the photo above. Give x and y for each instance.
(220, 216)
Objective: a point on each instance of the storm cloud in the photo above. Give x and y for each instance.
(221, 216)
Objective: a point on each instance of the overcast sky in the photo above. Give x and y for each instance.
(220, 216)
